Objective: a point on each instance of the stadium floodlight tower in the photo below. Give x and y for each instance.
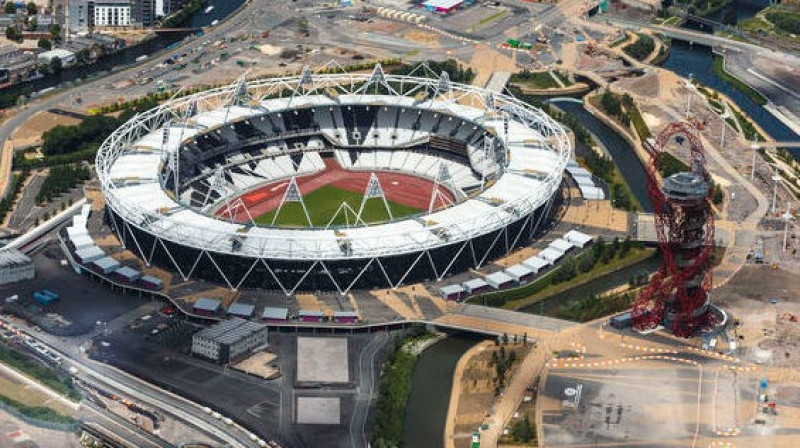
(677, 296)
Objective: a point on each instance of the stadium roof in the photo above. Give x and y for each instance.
(130, 160)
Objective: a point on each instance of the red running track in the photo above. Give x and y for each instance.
(401, 188)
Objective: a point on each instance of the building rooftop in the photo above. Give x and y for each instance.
(275, 313)
(242, 309)
(230, 331)
(13, 257)
(206, 304)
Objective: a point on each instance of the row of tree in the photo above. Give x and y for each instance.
(16, 186)
(62, 179)
(454, 69)
(586, 261)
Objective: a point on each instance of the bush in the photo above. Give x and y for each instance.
(642, 48)
(454, 69)
(786, 21)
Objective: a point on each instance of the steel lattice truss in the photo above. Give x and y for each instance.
(164, 231)
(678, 293)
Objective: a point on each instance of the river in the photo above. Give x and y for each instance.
(621, 151)
(127, 56)
(426, 410)
(697, 61)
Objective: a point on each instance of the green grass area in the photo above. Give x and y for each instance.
(787, 21)
(638, 123)
(322, 205)
(492, 17)
(719, 70)
(36, 412)
(39, 372)
(535, 80)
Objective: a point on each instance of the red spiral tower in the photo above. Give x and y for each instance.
(677, 295)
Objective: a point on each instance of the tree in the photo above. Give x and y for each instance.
(730, 17)
(55, 32)
(522, 430)
(12, 33)
(10, 8)
(45, 43)
(32, 8)
(56, 65)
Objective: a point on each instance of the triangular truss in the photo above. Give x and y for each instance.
(439, 192)
(374, 190)
(376, 82)
(351, 218)
(233, 209)
(292, 194)
(241, 96)
(476, 253)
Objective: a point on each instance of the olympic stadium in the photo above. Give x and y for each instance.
(332, 182)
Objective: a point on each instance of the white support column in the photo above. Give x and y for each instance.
(373, 190)
(292, 194)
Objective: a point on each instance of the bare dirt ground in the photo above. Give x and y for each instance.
(261, 364)
(770, 331)
(40, 123)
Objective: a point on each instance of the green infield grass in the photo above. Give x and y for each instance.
(323, 203)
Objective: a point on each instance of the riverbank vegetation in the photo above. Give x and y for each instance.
(183, 15)
(599, 259)
(39, 372)
(753, 94)
(394, 388)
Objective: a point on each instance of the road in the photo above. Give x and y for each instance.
(366, 390)
(18, 116)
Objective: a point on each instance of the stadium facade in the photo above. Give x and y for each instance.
(167, 172)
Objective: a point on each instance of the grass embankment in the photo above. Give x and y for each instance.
(540, 80)
(599, 270)
(749, 130)
(322, 205)
(599, 259)
(42, 374)
(395, 386)
(753, 94)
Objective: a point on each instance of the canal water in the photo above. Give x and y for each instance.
(697, 61)
(550, 306)
(621, 151)
(426, 410)
(222, 8)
